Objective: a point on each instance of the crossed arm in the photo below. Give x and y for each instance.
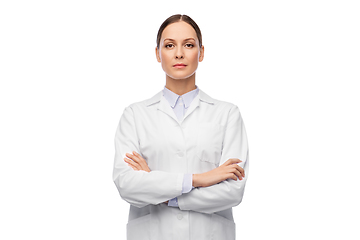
(228, 170)
(215, 190)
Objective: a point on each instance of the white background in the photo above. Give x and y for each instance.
(69, 68)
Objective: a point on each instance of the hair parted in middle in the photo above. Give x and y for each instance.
(178, 18)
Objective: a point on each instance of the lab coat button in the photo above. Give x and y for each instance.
(180, 154)
(179, 216)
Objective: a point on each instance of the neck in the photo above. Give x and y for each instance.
(180, 86)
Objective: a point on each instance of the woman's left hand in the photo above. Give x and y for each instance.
(137, 162)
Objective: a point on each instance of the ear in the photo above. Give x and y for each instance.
(157, 54)
(201, 57)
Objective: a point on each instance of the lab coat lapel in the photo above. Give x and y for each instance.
(165, 107)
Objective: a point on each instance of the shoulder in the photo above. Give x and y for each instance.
(217, 103)
(146, 102)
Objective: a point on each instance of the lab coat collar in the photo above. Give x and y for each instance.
(187, 97)
(165, 107)
(202, 96)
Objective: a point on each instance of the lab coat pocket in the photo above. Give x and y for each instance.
(139, 228)
(222, 228)
(209, 142)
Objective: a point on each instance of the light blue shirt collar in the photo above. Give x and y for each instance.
(173, 97)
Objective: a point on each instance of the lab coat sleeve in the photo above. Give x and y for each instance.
(140, 188)
(187, 187)
(228, 193)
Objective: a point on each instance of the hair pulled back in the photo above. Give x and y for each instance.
(178, 18)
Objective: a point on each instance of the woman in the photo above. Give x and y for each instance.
(181, 157)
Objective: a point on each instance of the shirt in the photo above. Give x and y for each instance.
(180, 104)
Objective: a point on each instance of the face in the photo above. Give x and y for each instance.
(179, 45)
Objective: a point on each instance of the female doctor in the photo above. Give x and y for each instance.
(181, 156)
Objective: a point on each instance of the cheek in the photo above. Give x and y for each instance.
(164, 58)
(194, 60)
(194, 56)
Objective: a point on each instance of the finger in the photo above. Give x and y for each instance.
(234, 169)
(135, 168)
(137, 158)
(135, 153)
(132, 166)
(238, 174)
(142, 162)
(132, 163)
(129, 155)
(138, 155)
(134, 158)
(235, 160)
(232, 161)
(241, 170)
(233, 176)
(228, 162)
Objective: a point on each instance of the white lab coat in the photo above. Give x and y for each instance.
(210, 133)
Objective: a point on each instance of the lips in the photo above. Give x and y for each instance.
(179, 65)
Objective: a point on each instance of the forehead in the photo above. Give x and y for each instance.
(178, 31)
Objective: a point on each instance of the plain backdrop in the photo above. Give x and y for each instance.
(69, 68)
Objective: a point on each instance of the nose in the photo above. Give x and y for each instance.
(179, 54)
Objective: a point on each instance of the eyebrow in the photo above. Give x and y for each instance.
(174, 40)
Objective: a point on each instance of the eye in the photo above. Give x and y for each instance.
(169, 45)
(189, 45)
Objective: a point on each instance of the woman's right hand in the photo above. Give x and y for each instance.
(137, 162)
(229, 169)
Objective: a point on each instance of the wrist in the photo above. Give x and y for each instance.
(196, 180)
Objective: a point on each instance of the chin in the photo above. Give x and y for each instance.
(181, 76)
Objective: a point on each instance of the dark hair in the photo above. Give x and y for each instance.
(178, 18)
